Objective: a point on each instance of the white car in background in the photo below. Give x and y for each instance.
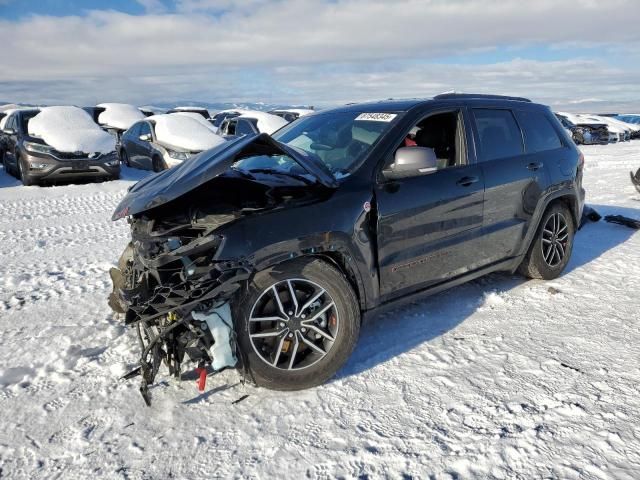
(615, 126)
(251, 122)
(291, 114)
(202, 111)
(163, 141)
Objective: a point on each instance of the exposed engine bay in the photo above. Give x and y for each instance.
(173, 287)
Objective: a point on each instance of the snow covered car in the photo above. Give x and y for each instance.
(58, 143)
(166, 140)
(203, 112)
(291, 114)
(251, 122)
(264, 252)
(584, 132)
(621, 131)
(116, 118)
(222, 115)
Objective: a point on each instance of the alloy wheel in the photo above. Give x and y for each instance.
(293, 324)
(555, 238)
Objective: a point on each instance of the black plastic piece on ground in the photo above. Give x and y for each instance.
(635, 179)
(626, 221)
(133, 373)
(244, 397)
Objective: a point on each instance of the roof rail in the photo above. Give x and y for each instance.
(452, 96)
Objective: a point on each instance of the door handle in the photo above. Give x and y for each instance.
(535, 166)
(466, 181)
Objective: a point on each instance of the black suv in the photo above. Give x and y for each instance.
(288, 240)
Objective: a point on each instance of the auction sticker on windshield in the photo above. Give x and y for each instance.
(377, 117)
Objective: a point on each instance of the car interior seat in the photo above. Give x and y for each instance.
(438, 132)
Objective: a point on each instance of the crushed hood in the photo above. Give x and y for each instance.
(175, 182)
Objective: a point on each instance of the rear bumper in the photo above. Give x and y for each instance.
(46, 167)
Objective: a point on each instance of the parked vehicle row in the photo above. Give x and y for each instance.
(137, 136)
(590, 129)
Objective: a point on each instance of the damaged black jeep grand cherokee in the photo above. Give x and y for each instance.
(264, 252)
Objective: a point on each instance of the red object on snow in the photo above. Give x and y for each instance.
(202, 381)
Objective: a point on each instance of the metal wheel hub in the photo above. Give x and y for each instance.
(555, 239)
(293, 324)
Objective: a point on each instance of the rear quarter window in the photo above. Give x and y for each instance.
(539, 134)
(498, 132)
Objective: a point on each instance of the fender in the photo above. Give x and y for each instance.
(338, 234)
(568, 192)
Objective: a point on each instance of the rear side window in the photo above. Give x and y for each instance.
(499, 134)
(244, 128)
(145, 129)
(539, 134)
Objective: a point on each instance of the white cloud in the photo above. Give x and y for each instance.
(308, 50)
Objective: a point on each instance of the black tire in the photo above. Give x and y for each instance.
(339, 290)
(24, 177)
(534, 264)
(158, 164)
(124, 157)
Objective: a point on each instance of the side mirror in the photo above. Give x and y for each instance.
(9, 131)
(146, 137)
(413, 161)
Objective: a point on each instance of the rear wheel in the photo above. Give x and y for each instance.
(297, 324)
(551, 248)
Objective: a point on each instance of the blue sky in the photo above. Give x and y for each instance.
(573, 55)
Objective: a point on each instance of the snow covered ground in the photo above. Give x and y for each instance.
(501, 378)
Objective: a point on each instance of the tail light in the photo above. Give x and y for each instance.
(580, 161)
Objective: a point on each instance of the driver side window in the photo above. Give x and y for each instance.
(444, 134)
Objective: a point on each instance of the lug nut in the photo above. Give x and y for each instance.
(318, 336)
(303, 316)
(281, 324)
(290, 312)
(303, 329)
(290, 335)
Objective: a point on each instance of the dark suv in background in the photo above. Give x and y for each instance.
(292, 238)
(33, 161)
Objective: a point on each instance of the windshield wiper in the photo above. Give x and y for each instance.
(273, 171)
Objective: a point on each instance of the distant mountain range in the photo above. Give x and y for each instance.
(212, 107)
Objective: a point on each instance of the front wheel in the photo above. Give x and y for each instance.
(551, 248)
(26, 179)
(297, 324)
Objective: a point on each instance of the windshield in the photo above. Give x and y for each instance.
(339, 140)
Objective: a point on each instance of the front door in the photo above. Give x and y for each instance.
(429, 226)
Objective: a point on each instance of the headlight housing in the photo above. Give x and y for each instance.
(178, 155)
(38, 148)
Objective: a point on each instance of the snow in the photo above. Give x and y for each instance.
(184, 133)
(267, 123)
(119, 115)
(70, 129)
(199, 118)
(300, 111)
(499, 378)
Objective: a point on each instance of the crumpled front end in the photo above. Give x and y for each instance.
(170, 285)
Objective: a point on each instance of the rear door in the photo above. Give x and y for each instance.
(11, 141)
(429, 226)
(508, 178)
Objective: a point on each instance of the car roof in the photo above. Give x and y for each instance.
(403, 105)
